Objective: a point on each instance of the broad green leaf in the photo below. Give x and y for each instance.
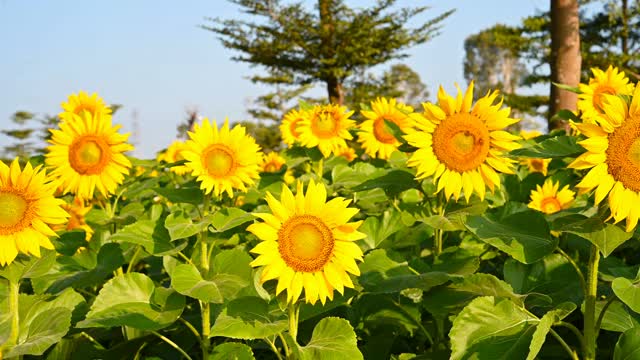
(553, 276)
(186, 280)
(379, 229)
(628, 292)
(380, 274)
(69, 242)
(231, 351)
(454, 218)
(229, 218)
(618, 317)
(150, 234)
(607, 237)
(109, 258)
(44, 320)
(380, 310)
(492, 328)
(628, 345)
(180, 225)
(29, 266)
(393, 182)
(552, 147)
(332, 339)
(133, 300)
(544, 326)
(249, 318)
(189, 195)
(524, 235)
(348, 177)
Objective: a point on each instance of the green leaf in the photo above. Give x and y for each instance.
(29, 266)
(186, 280)
(607, 237)
(69, 242)
(552, 147)
(348, 177)
(393, 182)
(379, 229)
(229, 218)
(189, 195)
(524, 235)
(332, 339)
(491, 328)
(573, 89)
(628, 345)
(231, 351)
(628, 292)
(380, 274)
(249, 318)
(617, 317)
(133, 300)
(544, 326)
(150, 234)
(180, 225)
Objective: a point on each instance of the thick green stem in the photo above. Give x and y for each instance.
(438, 233)
(589, 331)
(205, 307)
(14, 292)
(294, 310)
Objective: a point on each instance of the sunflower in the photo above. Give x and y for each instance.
(327, 127)
(77, 211)
(174, 154)
(87, 154)
(27, 209)
(377, 140)
(463, 147)
(549, 200)
(271, 162)
(307, 243)
(222, 159)
(348, 153)
(289, 125)
(534, 164)
(613, 155)
(611, 82)
(76, 104)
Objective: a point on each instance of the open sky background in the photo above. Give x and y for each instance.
(152, 57)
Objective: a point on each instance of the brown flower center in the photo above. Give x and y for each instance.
(219, 160)
(623, 154)
(461, 142)
(381, 132)
(305, 243)
(15, 212)
(550, 205)
(89, 155)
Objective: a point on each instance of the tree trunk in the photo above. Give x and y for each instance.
(565, 58)
(334, 84)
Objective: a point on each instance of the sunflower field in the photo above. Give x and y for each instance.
(391, 233)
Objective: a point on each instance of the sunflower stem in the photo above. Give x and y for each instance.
(320, 170)
(294, 312)
(590, 334)
(205, 309)
(438, 233)
(14, 292)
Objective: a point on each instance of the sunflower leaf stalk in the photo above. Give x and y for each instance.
(294, 316)
(205, 307)
(14, 292)
(590, 332)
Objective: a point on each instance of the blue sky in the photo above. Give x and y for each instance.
(152, 57)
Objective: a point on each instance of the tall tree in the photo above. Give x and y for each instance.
(565, 57)
(327, 45)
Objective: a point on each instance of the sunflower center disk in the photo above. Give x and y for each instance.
(219, 160)
(293, 127)
(381, 133)
(12, 210)
(623, 154)
(84, 107)
(271, 167)
(305, 243)
(537, 164)
(88, 155)
(550, 205)
(324, 126)
(461, 142)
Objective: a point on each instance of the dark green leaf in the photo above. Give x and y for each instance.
(231, 351)
(557, 146)
(189, 195)
(628, 345)
(607, 237)
(249, 318)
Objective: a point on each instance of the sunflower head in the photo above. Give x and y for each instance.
(77, 211)
(87, 153)
(27, 210)
(174, 154)
(327, 127)
(377, 140)
(348, 153)
(603, 83)
(462, 145)
(271, 162)
(536, 165)
(307, 243)
(613, 157)
(81, 102)
(289, 126)
(549, 200)
(222, 159)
